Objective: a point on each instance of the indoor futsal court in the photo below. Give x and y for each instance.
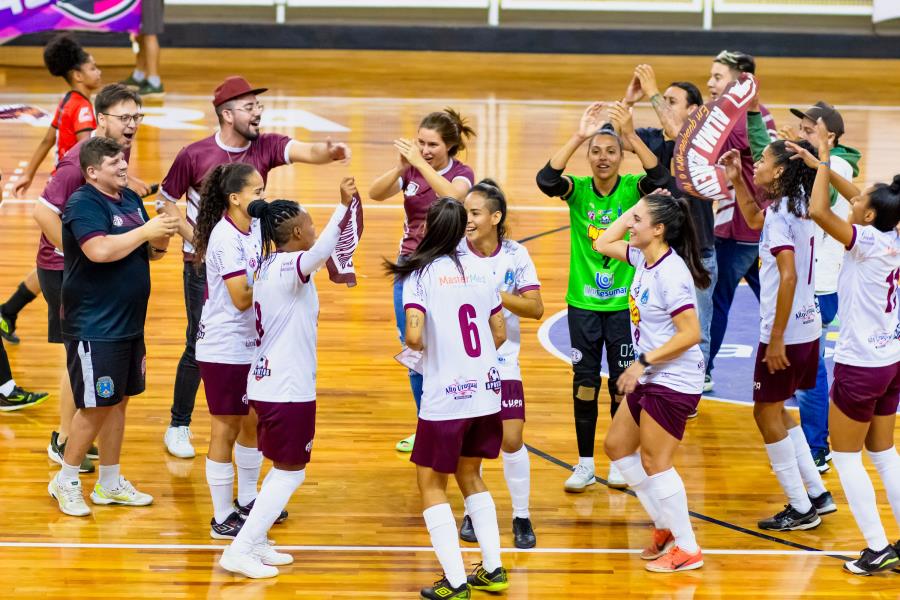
(355, 526)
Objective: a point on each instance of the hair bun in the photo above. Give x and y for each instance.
(257, 208)
(895, 185)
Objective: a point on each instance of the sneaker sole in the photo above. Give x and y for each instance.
(665, 549)
(579, 490)
(494, 587)
(524, 546)
(617, 485)
(220, 536)
(831, 508)
(182, 454)
(226, 564)
(63, 510)
(470, 539)
(689, 567)
(107, 501)
(281, 562)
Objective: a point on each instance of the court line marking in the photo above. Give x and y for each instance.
(428, 549)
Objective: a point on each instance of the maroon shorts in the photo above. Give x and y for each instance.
(664, 405)
(285, 430)
(512, 400)
(781, 385)
(440, 444)
(861, 392)
(226, 388)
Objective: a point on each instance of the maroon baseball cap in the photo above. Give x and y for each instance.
(234, 87)
(833, 120)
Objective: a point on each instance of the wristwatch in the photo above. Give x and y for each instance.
(642, 359)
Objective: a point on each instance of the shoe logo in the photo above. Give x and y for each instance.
(881, 558)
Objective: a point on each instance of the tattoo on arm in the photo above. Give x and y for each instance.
(664, 112)
(414, 320)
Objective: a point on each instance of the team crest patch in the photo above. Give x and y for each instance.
(105, 387)
(262, 368)
(576, 356)
(494, 382)
(117, 221)
(411, 189)
(509, 278)
(645, 297)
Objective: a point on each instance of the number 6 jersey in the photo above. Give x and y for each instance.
(459, 362)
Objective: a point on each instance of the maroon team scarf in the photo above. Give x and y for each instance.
(340, 264)
(700, 141)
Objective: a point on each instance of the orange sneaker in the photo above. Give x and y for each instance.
(676, 559)
(662, 541)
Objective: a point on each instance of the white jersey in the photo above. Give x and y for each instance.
(784, 231)
(514, 273)
(829, 251)
(867, 288)
(658, 293)
(226, 334)
(459, 361)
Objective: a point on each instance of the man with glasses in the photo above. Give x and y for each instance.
(118, 116)
(237, 140)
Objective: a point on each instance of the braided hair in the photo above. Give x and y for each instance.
(496, 202)
(273, 219)
(796, 180)
(220, 183)
(674, 214)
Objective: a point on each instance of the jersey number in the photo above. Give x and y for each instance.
(892, 280)
(259, 328)
(469, 330)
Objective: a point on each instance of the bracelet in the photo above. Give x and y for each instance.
(161, 251)
(822, 162)
(643, 360)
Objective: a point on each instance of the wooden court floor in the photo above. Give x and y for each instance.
(355, 527)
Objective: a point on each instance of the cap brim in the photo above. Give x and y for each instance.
(800, 114)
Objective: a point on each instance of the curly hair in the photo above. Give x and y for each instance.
(796, 180)
(63, 54)
(220, 183)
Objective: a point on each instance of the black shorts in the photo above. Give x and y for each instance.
(105, 373)
(51, 288)
(152, 17)
(590, 332)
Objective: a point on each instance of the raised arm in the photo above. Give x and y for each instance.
(657, 175)
(388, 184)
(458, 188)
(611, 242)
(315, 257)
(670, 123)
(550, 179)
(747, 205)
(319, 153)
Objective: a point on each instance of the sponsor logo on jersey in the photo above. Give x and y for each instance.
(201, 331)
(105, 387)
(117, 221)
(807, 314)
(882, 338)
(645, 297)
(604, 281)
(592, 292)
(494, 382)
(509, 278)
(262, 368)
(634, 311)
(411, 188)
(591, 214)
(461, 280)
(85, 115)
(462, 390)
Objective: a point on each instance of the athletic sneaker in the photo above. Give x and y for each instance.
(870, 561)
(662, 542)
(614, 478)
(244, 512)
(821, 458)
(248, 565)
(123, 494)
(56, 452)
(132, 83)
(8, 328)
(148, 90)
(580, 478)
(69, 496)
(695, 413)
(495, 581)
(20, 398)
(178, 442)
(442, 590)
(676, 559)
(467, 531)
(708, 383)
(267, 554)
(523, 533)
(228, 529)
(406, 444)
(824, 504)
(791, 519)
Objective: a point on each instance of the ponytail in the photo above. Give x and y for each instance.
(673, 213)
(451, 126)
(272, 217)
(220, 183)
(445, 226)
(496, 202)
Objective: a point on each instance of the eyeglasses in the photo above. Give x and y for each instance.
(126, 119)
(250, 108)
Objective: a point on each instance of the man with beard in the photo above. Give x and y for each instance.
(238, 140)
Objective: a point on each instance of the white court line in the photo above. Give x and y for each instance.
(215, 548)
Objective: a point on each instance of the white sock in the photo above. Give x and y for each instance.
(784, 464)
(483, 513)
(7, 388)
(636, 477)
(517, 470)
(810, 475)
(861, 497)
(139, 75)
(220, 479)
(154, 80)
(587, 461)
(888, 464)
(67, 474)
(668, 489)
(445, 541)
(109, 476)
(273, 497)
(249, 462)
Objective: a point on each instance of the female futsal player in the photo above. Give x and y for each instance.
(454, 316)
(282, 385)
(866, 384)
(664, 384)
(427, 170)
(790, 326)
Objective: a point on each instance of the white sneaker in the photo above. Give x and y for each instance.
(708, 383)
(267, 554)
(580, 479)
(124, 494)
(248, 565)
(70, 498)
(614, 479)
(178, 442)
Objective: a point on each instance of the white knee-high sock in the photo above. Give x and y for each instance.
(484, 521)
(445, 541)
(784, 463)
(273, 497)
(888, 465)
(861, 497)
(249, 462)
(668, 489)
(810, 475)
(636, 477)
(517, 470)
(220, 479)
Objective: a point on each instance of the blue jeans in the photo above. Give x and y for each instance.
(705, 301)
(814, 403)
(415, 379)
(735, 261)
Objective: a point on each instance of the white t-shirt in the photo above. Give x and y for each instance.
(459, 361)
(784, 231)
(867, 288)
(226, 335)
(514, 273)
(829, 251)
(658, 293)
